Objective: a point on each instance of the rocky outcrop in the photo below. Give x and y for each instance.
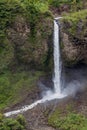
(74, 39)
(36, 52)
(33, 52)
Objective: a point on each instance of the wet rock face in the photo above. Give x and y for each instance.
(74, 42)
(73, 50)
(29, 51)
(70, 52)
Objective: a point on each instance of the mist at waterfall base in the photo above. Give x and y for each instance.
(75, 79)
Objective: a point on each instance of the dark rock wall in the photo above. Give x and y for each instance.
(74, 39)
(35, 53)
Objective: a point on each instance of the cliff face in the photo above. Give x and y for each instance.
(20, 48)
(74, 38)
(24, 49)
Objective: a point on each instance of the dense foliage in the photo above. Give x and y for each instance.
(12, 124)
(8, 11)
(32, 9)
(16, 86)
(71, 121)
(74, 21)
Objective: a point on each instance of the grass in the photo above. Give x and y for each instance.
(67, 120)
(15, 86)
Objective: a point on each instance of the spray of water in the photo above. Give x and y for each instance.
(49, 95)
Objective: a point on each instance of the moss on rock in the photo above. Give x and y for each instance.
(6, 54)
(32, 51)
(76, 23)
(74, 38)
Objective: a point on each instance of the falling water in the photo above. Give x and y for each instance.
(57, 61)
(57, 66)
(49, 95)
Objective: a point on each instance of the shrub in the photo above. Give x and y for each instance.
(73, 20)
(71, 121)
(8, 11)
(21, 120)
(33, 12)
(12, 124)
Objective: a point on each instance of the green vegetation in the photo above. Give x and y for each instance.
(27, 43)
(38, 15)
(73, 20)
(67, 121)
(75, 17)
(14, 87)
(73, 5)
(57, 3)
(6, 54)
(8, 12)
(34, 10)
(35, 14)
(12, 124)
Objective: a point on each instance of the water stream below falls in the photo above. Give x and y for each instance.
(49, 95)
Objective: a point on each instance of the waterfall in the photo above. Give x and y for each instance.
(49, 95)
(57, 62)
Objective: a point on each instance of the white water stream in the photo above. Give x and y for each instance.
(57, 94)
